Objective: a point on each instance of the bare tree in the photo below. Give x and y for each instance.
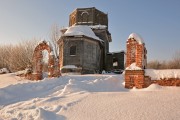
(54, 36)
(154, 64)
(5, 52)
(22, 55)
(17, 57)
(174, 63)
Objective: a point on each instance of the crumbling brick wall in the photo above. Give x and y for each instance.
(167, 82)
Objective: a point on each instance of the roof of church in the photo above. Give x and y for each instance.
(78, 30)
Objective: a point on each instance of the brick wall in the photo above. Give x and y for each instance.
(136, 78)
(167, 82)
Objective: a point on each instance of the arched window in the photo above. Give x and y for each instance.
(73, 50)
(85, 16)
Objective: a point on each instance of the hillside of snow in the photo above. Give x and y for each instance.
(85, 97)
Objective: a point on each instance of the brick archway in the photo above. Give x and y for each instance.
(38, 57)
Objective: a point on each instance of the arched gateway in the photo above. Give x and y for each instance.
(53, 65)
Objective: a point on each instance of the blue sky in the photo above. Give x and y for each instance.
(157, 21)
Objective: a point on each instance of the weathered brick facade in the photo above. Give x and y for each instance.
(136, 54)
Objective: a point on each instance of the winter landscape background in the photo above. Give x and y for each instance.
(93, 96)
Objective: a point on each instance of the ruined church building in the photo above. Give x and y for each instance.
(84, 49)
(84, 45)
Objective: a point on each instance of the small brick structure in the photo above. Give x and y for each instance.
(53, 63)
(136, 78)
(136, 62)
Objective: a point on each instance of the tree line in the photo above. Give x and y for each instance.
(18, 56)
(174, 63)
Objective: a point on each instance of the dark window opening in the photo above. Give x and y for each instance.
(73, 50)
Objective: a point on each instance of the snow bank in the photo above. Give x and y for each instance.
(137, 37)
(162, 74)
(152, 87)
(133, 67)
(81, 30)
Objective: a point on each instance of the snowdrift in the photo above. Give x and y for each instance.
(84, 97)
(162, 74)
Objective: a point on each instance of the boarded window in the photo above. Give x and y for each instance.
(73, 50)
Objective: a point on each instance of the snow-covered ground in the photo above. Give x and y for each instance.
(85, 97)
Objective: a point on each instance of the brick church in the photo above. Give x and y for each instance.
(84, 45)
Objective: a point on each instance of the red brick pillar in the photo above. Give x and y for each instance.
(135, 61)
(140, 55)
(37, 75)
(51, 66)
(134, 78)
(131, 52)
